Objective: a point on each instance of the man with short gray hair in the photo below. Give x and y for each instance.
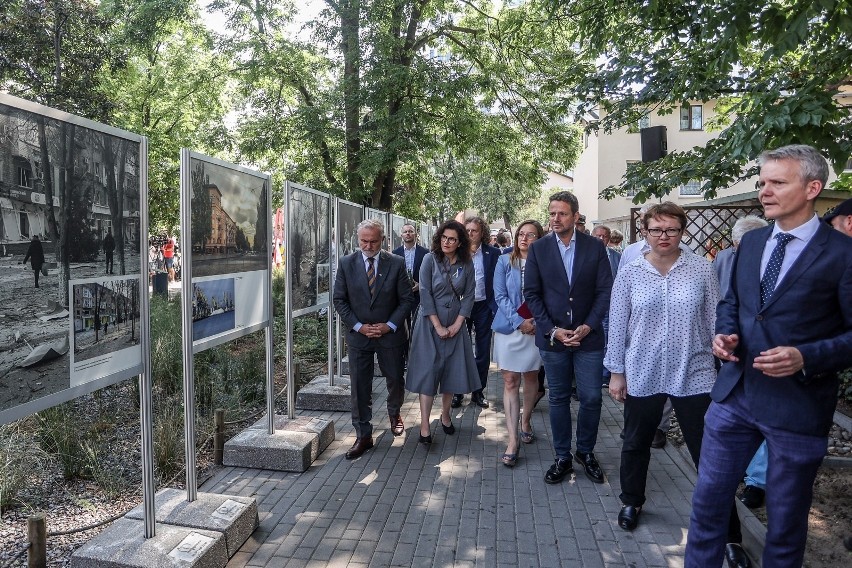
(725, 258)
(373, 296)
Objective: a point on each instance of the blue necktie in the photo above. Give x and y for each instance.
(773, 269)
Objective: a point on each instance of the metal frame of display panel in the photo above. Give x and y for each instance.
(289, 312)
(190, 345)
(143, 369)
(338, 235)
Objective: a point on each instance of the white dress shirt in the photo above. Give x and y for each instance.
(661, 327)
(479, 270)
(803, 235)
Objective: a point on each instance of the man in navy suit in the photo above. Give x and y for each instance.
(567, 283)
(372, 295)
(413, 255)
(784, 330)
(484, 305)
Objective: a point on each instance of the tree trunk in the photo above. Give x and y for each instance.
(350, 27)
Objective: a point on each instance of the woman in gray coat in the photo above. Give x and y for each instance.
(441, 354)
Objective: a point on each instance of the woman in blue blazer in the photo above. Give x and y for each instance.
(515, 352)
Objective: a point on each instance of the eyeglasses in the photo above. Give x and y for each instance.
(531, 236)
(449, 240)
(672, 232)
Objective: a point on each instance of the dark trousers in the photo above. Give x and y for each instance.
(109, 261)
(479, 322)
(37, 271)
(731, 436)
(641, 417)
(361, 377)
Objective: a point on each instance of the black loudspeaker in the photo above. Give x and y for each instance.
(653, 143)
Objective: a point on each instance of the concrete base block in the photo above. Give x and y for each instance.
(233, 516)
(293, 447)
(123, 544)
(319, 395)
(344, 367)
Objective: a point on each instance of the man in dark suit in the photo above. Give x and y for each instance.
(372, 295)
(567, 285)
(484, 305)
(413, 255)
(784, 330)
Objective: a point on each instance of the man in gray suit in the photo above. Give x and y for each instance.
(372, 295)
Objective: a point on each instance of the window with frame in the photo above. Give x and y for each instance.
(690, 189)
(692, 117)
(644, 122)
(25, 177)
(848, 167)
(631, 193)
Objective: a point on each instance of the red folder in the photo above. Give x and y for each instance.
(524, 311)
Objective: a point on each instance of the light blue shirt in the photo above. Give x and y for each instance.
(408, 253)
(803, 235)
(479, 271)
(567, 253)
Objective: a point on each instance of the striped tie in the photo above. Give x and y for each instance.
(371, 275)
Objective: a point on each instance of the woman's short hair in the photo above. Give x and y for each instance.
(463, 252)
(666, 208)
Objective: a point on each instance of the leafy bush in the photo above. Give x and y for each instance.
(19, 460)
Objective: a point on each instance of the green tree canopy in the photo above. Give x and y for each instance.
(781, 72)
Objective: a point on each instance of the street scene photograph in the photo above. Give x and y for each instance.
(213, 307)
(309, 239)
(106, 316)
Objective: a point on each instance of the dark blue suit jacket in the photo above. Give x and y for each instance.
(556, 302)
(810, 309)
(490, 256)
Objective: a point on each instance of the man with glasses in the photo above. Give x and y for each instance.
(567, 286)
(484, 305)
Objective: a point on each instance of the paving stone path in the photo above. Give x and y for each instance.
(456, 504)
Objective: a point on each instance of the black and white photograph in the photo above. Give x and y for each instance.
(395, 232)
(349, 216)
(379, 215)
(229, 219)
(309, 246)
(423, 235)
(69, 210)
(213, 308)
(105, 316)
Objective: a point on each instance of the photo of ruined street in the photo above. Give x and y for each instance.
(105, 316)
(229, 220)
(309, 238)
(44, 247)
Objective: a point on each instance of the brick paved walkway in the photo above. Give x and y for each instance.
(455, 504)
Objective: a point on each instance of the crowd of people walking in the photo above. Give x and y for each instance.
(746, 350)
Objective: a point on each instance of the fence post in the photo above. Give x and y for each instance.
(37, 536)
(218, 435)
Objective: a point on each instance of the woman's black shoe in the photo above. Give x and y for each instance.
(628, 518)
(425, 440)
(448, 430)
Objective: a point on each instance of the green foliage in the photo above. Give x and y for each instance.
(169, 439)
(776, 70)
(60, 434)
(166, 346)
(19, 460)
(846, 385)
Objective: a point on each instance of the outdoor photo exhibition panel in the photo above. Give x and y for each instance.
(226, 233)
(379, 215)
(395, 231)
(73, 265)
(346, 219)
(70, 256)
(308, 258)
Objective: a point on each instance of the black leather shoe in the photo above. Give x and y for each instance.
(591, 465)
(425, 440)
(736, 556)
(448, 430)
(360, 446)
(752, 496)
(628, 518)
(480, 400)
(659, 439)
(457, 400)
(558, 471)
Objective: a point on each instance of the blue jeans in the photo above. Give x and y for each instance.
(585, 367)
(756, 471)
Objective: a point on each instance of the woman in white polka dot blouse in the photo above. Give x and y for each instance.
(661, 321)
